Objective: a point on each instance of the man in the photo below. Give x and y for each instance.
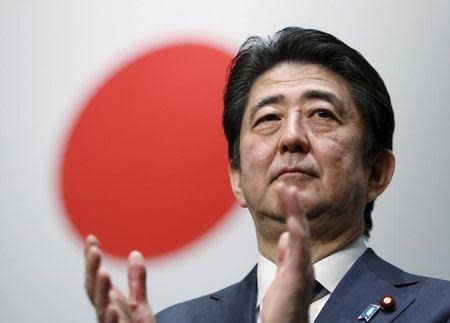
(309, 125)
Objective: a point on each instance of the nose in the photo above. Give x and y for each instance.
(293, 137)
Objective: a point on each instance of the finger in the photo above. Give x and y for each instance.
(121, 305)
(281, 191)
(91, 240)
(117, 298)
(102, 288)
(300, 263)
(297, 228)
(290, 205)
(92, 264)
(297, 255)
(128, 313)
(115, 294)
(111, 314)
(299, 240)
(137, 277)
(293, 207)
(282, 248)
(289, 201)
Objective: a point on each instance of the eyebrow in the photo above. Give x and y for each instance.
(271, 99)
(309, 94)
(327, 96)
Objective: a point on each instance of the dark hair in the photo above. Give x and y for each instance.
(294, 44)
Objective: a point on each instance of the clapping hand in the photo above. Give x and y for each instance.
(288, 298)
(110, 304)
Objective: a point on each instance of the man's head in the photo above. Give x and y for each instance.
(282, 79)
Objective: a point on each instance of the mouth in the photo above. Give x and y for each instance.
(293, 172)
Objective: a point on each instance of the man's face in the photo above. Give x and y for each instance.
(301, 128)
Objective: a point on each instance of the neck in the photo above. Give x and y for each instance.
(322, 248)
(322, 244)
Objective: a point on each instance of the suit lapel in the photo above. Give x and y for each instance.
(239, 303)
(369, 279)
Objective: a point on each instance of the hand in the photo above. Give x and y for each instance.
(110, 304)
(288, 298)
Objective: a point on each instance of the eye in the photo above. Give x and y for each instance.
(324, 114)
(267, 118)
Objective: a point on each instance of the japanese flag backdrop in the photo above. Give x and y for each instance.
(110, 123)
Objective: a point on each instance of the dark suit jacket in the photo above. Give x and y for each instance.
(418, 299)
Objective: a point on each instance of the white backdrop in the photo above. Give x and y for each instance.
(54, 53)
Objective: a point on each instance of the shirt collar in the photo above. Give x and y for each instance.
(266, 273)
(328, 271)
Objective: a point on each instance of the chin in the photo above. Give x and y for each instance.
(271, 214)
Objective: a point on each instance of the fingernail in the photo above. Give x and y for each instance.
(92, 239)
(136, 257)
(92, 250)
(284, 237)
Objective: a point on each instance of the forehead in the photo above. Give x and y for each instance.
(291, 79)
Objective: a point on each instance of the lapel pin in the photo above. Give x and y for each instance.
(369, 312)
(387, 303)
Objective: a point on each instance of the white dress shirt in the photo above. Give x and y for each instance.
(328, 271)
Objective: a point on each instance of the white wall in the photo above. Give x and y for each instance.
(54, 53)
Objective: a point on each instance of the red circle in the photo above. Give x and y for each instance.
(145, 165)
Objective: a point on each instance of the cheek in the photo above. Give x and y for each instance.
(256, 153)
(340, 160)
(256, 157)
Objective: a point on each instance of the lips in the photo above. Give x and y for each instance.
(293, 170)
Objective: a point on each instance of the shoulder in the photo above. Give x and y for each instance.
(400, 278)
(431, 300)
(433, 290)
(430, 296)
(196, 310)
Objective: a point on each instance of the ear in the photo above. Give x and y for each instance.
(235, 180)
(381, 172)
